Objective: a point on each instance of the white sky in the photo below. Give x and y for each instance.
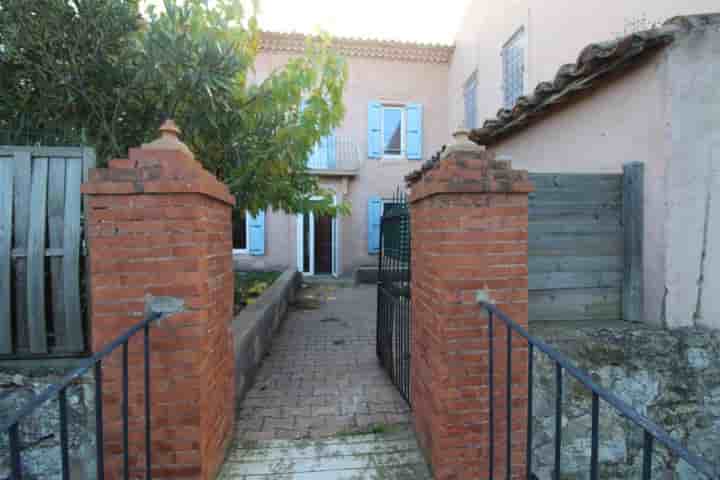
(434, 21)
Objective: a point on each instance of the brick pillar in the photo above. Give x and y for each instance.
(158, 223)
(469, 224)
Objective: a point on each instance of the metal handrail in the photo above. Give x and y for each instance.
(652, 431)
(157, 309)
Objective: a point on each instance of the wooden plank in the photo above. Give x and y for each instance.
(613, 263)
(49, 252)
(71, 260)
(571, 179)
(570, 213)
(545, 182)
(40, 151)
(601, 245)
(588, 196)
(6, 199)
(633, 222)
(575, 304)
(56, 212)
(568, 229)
(36, 257)
(21, 205)
(562, 280)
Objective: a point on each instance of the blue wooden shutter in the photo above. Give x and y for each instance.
(374, 214)
(374, 136)
(256, 232)
(414, 136)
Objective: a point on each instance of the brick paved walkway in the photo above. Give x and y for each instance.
(322, 376)
(322, 408)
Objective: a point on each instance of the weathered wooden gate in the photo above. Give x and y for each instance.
(585, 247)
(393, 301)
(40, 250)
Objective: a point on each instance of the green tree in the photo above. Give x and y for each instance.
(97, 65)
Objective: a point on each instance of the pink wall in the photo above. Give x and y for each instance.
(556, 32)
(370, 79)
(620, 122)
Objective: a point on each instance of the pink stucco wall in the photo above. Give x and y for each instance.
(666, 114)
(369, 79)
(621, 122)
(556, 32)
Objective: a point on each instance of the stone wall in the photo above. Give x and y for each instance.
(673, 377)
(39, 433)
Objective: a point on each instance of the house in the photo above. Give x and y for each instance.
(396, 116)
(504, 49)
(564, 88)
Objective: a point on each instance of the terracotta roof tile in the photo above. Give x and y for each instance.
(361, 47)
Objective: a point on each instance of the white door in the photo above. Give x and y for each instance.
(335, 254)
(336, 242)
(301, 218)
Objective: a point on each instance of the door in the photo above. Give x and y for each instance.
(323, 244)
(317, 244)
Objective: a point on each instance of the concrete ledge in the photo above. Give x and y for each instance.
(366, 275)
(253, 328)
(370, 275)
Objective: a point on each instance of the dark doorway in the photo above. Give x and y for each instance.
(323, 244)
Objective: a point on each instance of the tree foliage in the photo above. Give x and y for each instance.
(99, 66)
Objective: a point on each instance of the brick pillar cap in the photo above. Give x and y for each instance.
(462, 143)
(165, 165)
(169, 139)
(466, 167)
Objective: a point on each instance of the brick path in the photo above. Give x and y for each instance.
(322, 408)
(322, 376)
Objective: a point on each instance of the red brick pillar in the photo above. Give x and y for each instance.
(159, 224)
(469, 225)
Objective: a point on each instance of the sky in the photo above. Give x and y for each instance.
(429, 21)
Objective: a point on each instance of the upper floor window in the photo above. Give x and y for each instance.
(513, 61)
(393, 128)
(470, 101)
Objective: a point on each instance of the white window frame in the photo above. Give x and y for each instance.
(403, 129)
(517, 39)
(246, 250)
(471, 82)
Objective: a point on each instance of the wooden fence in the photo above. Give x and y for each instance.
(585, 246)
(40, 250)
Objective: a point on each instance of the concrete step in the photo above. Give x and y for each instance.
(392, 455)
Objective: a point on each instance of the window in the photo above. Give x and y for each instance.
(513, 60)
(393, 130)
(470, 100)
(240, 231)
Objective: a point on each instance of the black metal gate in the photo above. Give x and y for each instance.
(393, 302)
